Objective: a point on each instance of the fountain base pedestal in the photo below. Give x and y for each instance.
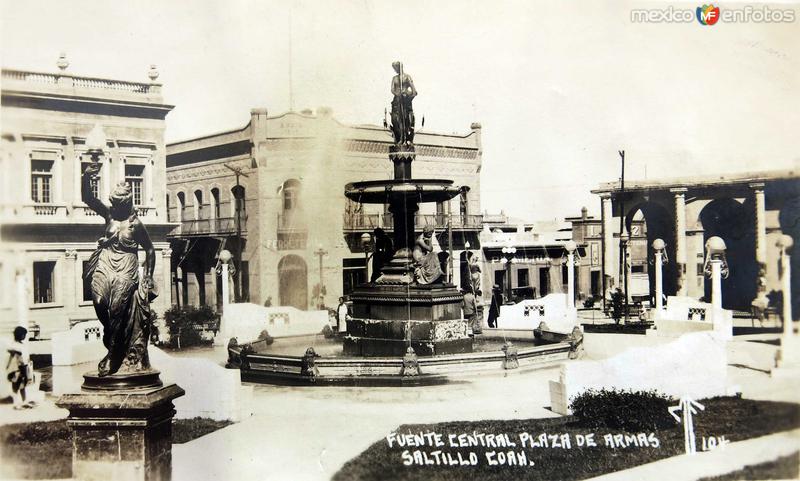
(389, 318)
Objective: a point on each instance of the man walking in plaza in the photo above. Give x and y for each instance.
(471, 312)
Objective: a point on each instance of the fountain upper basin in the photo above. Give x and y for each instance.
(421, 190)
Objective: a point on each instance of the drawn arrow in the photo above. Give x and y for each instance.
(687, 405)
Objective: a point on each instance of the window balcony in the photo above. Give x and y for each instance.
(208, 227)
(48, 212)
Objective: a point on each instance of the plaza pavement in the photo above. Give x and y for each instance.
(308, 433)
(303, 433)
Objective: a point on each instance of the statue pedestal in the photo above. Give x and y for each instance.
(121, 434)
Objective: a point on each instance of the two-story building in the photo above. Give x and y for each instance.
(46, 232)
(295, 239)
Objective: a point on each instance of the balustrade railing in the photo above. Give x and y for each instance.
(45, 209)
(83, 82)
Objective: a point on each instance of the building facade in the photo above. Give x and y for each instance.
(748, 211)
(587, 232)
(299, 239)
(46, 232)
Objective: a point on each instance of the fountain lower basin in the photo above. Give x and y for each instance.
(316, 360)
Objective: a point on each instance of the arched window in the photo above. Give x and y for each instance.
(239, 203)
(198, 204)
(215, 203)
(181, 206)
(291, 191)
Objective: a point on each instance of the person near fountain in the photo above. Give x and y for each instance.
(384, 249)
(494, 307)
(121, 300)
(470, 310)
(404, 92)
(428, 270)
(342, 316)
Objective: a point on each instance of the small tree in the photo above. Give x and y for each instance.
(187, 323)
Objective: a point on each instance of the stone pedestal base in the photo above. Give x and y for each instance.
(387, 318)
(123, 434)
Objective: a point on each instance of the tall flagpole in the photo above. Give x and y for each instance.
(291, 93)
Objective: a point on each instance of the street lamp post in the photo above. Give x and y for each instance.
(571, 247)
(659, 260)
(225, 257)
(366, 240)
(508, 259)
(321, 252)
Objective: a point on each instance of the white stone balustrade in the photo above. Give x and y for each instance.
(83, 342)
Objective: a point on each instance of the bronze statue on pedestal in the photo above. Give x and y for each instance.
(121, 300)
(403, 92)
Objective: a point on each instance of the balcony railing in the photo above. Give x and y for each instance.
(363, 222)
(224, 225)
(80, 82)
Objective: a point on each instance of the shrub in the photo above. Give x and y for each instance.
(187, 324)
(633, 411)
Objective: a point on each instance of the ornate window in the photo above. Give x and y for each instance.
(198, 204)
(41, 180)
(134, 175)
(43, 281)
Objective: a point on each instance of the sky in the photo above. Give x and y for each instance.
(559, 87)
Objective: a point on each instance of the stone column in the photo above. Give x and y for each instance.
(785, 244)
(658, 247)
(761, 239)
(787, 360)
(71, 290)
(680, 237)
(608, 240)
(570, 246)
(166, 272)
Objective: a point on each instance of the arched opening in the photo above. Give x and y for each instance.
(733, 222)
(215, 206)
(657, 223)
(293, 282)
(239, 204)
(181, 206)
(198, 205)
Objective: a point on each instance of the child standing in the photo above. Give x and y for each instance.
(18, 368)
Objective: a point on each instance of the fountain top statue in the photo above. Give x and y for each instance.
(403, 194)
(403, 93)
